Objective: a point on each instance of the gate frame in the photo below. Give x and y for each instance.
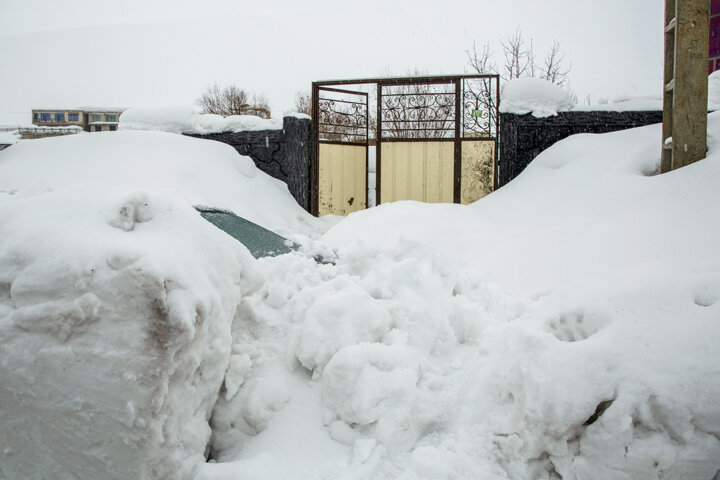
(315, 160)
(381, 82)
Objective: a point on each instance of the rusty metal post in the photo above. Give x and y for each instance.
(315, 161)
(378, 146)
(457, 174)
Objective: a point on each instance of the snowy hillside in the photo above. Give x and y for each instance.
(563, 327)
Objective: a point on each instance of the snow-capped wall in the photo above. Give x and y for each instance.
(534, 95)
(189, 120)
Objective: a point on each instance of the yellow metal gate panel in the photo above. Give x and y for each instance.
(421, 171)
(342, 178)
(478, 169)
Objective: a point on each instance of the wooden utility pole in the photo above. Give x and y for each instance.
(687, 35)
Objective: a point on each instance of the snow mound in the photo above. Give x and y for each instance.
(534, 95)
(564, 326)
(113, 350)
(194, 170)
(626, 103)
(714, 91)
(188, 120)
(9, 137)
(533, 334)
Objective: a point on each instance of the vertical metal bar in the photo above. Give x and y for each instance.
(315, 167)
(367, 150)
(496, 180)
(458, 145)
(378, 146)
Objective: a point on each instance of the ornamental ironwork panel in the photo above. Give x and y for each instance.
(480, 107)
(342, 115)
(417, 111)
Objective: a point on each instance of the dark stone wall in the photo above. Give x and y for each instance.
(284, 154)
(523, 137)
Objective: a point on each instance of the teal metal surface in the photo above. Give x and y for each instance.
(260, 241)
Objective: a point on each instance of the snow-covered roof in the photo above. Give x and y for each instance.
(103, 109)
(85, 109)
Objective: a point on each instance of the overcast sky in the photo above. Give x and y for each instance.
(165, 52)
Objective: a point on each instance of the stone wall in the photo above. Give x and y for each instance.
(284, 154)
(523, 137)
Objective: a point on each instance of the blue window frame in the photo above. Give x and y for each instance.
(73, 117)
(35, 117)
(44, 117)
(59, 117)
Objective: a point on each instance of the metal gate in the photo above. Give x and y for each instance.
(436, 139)
(341, 129)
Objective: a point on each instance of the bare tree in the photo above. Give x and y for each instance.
(303, 102)
(232, 100)
(553, 68)
(519, 57)
(481, 60)
(519, 60)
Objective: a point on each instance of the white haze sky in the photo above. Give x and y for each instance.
(72, 53)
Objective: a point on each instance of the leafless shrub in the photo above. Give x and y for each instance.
(232, 100)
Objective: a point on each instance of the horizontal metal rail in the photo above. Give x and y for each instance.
(433, 79)
(416, 94)
(338, 90)
(341, 142)
(342, 101)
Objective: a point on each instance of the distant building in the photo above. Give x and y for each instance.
(90, 119)
(714, 53)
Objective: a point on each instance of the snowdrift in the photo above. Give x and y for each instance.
(193, 170)
(559, 328)
(534, 95)
(115, 333)
(562, 327)
(117, 299)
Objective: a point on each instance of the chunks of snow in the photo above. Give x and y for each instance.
(188, 120)
(534, 95)
(115, 332)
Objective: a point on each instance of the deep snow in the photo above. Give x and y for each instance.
(192, 170)
(563, 326)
